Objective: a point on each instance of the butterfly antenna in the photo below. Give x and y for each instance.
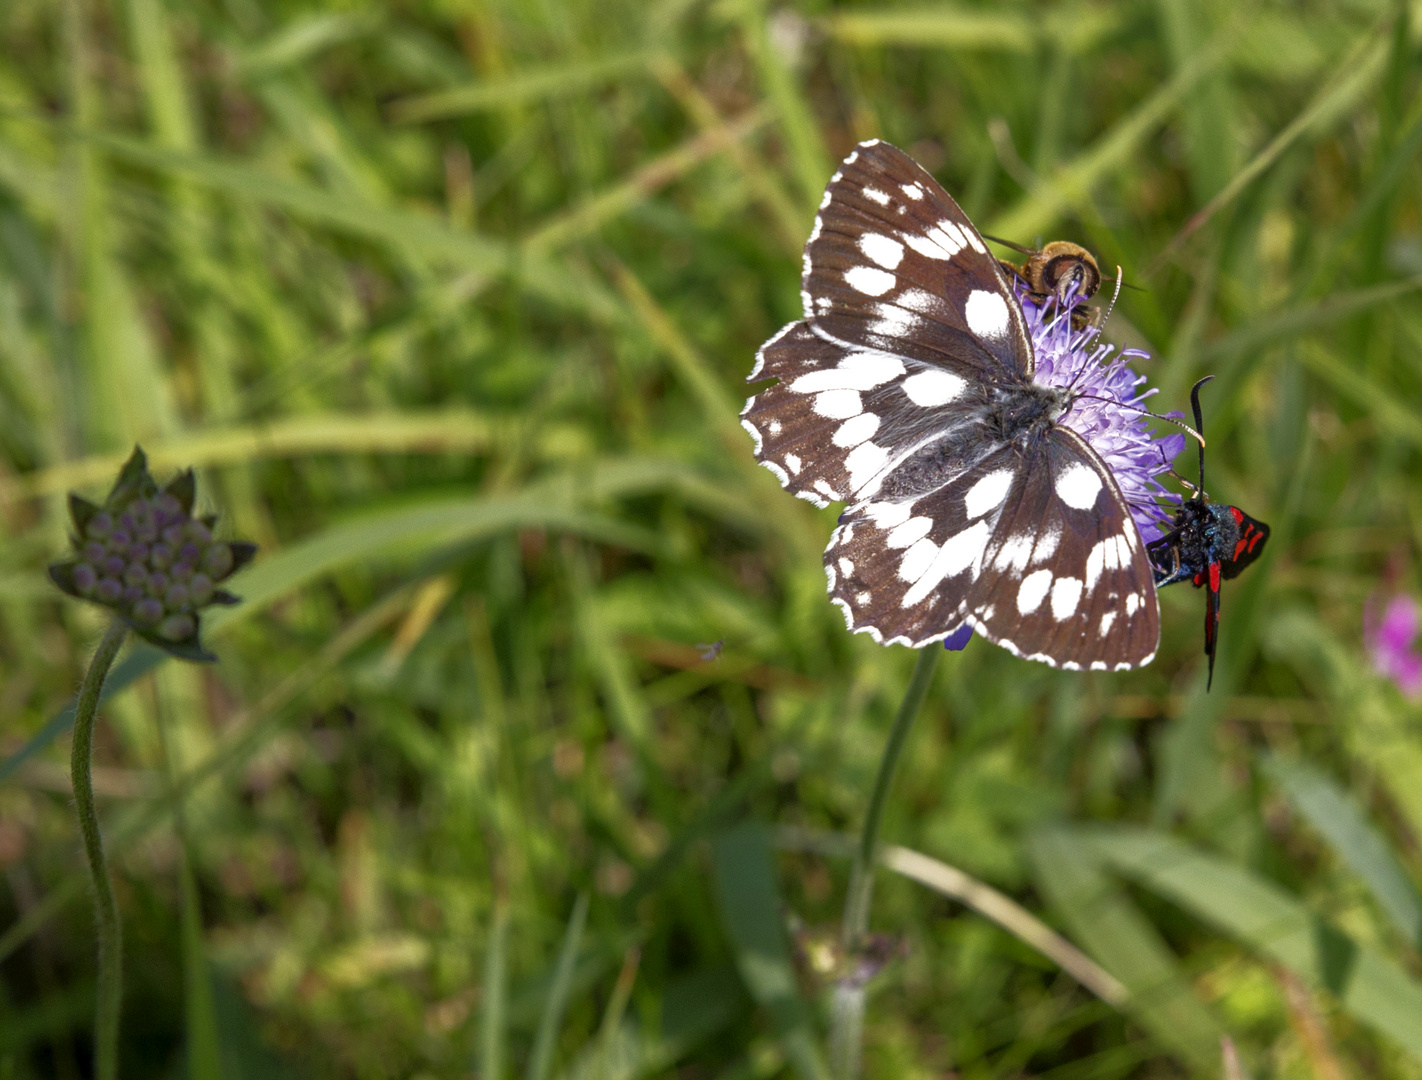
(1192, 432)
(1200, 424)
(1114, 297)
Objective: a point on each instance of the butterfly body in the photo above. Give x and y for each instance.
(909, 391)
(1208, 542)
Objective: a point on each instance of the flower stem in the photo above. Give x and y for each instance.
(846, 1035)
(110, 986)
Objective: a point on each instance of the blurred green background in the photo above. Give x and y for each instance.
(450, 302)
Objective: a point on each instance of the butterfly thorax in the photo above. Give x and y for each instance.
(1016, 414)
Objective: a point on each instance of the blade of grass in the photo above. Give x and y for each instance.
(1263, 917)
(493, 1023)
(592, 214)
(244, 734)
(1341, 822)
(557, 1000)
(809, 158)
(941, 26)
(750, 908)
(1354, 76)
(1070, 185)
(992, 905)
(530, 84)
(401, 230)
(1104, 919)
(445, 431)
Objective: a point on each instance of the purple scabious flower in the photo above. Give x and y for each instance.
(1106, 415)
(1390, 642)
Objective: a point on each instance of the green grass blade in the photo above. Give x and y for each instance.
(204, 1051)
(1071, 185)
(493, 1023)
(530, 84)
(1263, 917)
(1354, 840)
(557, 1000)
(939, 26)
(401, 230)
(750, 907)
(1104, 919)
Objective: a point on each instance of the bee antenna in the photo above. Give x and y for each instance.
(1200, 424)
(1008, 244)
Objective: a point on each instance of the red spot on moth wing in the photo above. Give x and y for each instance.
(1238, 515)
(1215, 576)
(1239, 548)
(1254, 539)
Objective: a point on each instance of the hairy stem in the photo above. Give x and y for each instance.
(110, 985)
(846, 1036)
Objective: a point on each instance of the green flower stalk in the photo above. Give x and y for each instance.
(145, 557)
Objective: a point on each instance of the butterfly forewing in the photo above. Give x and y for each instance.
(894, 264)
(840, 418)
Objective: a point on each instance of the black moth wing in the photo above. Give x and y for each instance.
(1253, 535)
(839, 416)
(893, 264)
(1034, 547)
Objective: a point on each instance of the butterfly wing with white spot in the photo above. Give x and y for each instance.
(893, 264)
(1067, 580)
(902, 567)
(841, 419)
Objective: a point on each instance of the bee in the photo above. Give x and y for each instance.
(1062, 273)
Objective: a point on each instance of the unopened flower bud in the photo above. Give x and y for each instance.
(197, 532)
(100, 525)
(114, 565)
(173, 535)
(177, 627)
(137, 553)
(217, 561)
(95, 551)
(160, 556)
(147, 611)
(200, 589)
(181, 571)
(169, 505)
(85, 578)
(176, 598)
(189, 553)
(136, 574)
(108, 590)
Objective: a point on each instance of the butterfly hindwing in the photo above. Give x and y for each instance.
(901, 570)
(1067, 579)
(894, 264)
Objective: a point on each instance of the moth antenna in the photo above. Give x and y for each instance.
(1200, 424)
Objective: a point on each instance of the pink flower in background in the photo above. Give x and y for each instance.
(1390, 642)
